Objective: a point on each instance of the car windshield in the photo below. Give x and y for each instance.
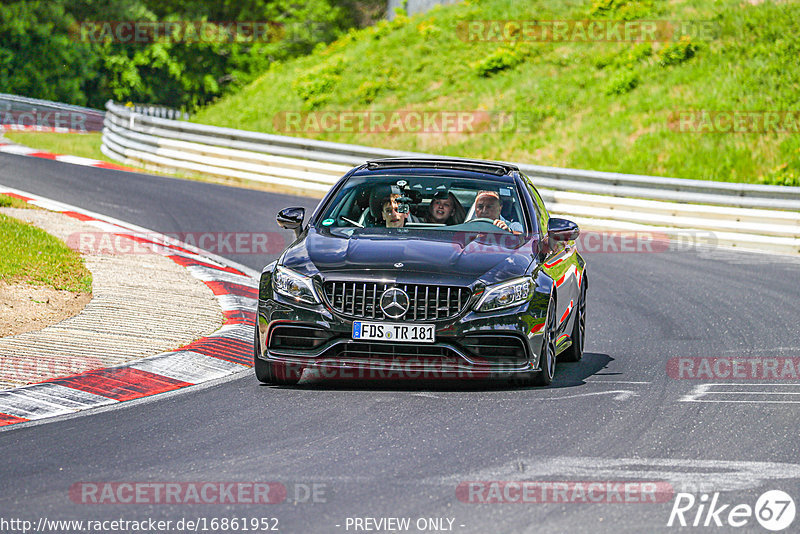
(416, 203)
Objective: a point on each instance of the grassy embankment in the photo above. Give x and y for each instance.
(589, 105)
(603, 105)
(30, 255)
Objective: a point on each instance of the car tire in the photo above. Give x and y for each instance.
(574, 352)
(548, 360)
(545, 376)
(274, 373)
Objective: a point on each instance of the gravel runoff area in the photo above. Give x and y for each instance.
(142, 304)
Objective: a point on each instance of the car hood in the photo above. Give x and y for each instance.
(485, 257)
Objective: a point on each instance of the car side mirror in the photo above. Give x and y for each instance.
(562, 229)
(291, 219)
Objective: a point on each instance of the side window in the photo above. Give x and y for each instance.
(541, 210)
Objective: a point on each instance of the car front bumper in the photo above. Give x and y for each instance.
(471, 345)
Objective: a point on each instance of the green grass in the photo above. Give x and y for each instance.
(86, 145)
(602, 106)
(28, 254)
(12, 202)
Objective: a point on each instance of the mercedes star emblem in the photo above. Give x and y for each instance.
(394, 303)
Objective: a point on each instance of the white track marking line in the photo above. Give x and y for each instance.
(621, 394)
(754, 393)
(745, 401)
(614, 382)
(702, 392)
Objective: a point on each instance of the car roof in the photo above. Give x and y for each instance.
(495, 168)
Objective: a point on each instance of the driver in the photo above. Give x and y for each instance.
(488, 205)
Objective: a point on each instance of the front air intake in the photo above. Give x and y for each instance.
(295, 337)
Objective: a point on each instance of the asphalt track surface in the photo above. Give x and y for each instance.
(400, 448)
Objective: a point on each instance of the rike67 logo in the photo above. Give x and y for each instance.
(774, 510)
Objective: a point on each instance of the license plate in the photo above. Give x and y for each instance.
(403, 333)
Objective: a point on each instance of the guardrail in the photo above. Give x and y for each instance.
(19, 112)
(754, 216)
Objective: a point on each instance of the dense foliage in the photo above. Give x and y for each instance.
(59, 50)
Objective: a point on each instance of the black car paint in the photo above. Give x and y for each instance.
(435, 257)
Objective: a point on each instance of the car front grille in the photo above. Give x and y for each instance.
(427, 302)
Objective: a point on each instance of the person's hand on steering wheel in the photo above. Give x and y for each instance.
(497, 222)
(500, 224)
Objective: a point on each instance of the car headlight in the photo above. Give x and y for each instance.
(505, 295)
(294, 285)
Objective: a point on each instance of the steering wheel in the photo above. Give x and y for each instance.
(490, 221)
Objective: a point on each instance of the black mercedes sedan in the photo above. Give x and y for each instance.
(423, 268)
